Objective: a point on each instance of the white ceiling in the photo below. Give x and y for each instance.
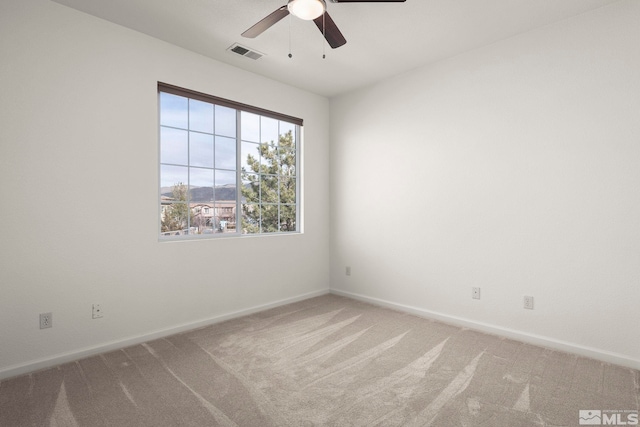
(383, 39)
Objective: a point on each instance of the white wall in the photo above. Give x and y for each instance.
(516, 168)
(79, 184)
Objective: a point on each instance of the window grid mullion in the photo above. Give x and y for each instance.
(189, 167)
(278, 198)
(296, 176)
(260, 201)
(239, 183)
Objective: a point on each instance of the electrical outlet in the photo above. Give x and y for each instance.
(528, 302)
(348, 271)
(46, 320)
(475, 293)
(97, 311)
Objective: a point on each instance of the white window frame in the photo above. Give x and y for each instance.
(239, 108)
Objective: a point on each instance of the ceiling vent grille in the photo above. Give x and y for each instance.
(245, 51)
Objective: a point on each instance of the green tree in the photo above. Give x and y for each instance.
(177, 214)
(269, 187)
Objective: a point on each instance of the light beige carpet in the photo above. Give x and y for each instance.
(326, 361)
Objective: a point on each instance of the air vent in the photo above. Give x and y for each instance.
(245, 51)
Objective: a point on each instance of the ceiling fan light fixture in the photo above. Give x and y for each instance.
(307, 9)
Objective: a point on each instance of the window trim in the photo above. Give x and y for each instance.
(175, 90)
(239, 107)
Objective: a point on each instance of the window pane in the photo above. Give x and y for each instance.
(268, 130)
(225, 121)
(174, 146)
(225, 189)
(171, 176)
(202, 219)
(270, 218)
(287, 135)
(269, 188)
(201, 185)
(226, 217)
(173, 110)
(225, 178)
(225, 192)
(200, 149)
(200, 116)
(287, 162)
(269, 159)
(225, 153)
(287, 190)
(250, 188)
(250, 127)
(287, 218)
(174, 219)
(201, 177)
(250, 218)
(250, 161)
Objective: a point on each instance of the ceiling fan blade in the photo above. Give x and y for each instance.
(263, 25)
(330, 29)
(368, 1)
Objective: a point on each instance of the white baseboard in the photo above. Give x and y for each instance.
(59, 359)
(593, 353)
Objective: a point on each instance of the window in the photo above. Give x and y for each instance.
(225, 167)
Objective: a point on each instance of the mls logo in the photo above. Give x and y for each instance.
(596, 417)
(590, 417)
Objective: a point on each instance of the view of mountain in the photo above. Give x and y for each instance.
(205, 194)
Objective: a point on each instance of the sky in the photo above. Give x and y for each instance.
(198, 140)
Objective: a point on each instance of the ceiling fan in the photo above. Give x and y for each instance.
(308, 10)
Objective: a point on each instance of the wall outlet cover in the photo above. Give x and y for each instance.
(96, 311)
(46, 320)
(528, 302)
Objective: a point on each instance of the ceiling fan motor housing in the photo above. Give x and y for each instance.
(307, 9)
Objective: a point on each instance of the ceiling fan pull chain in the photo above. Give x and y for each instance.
(324, 34)
(290, 55)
